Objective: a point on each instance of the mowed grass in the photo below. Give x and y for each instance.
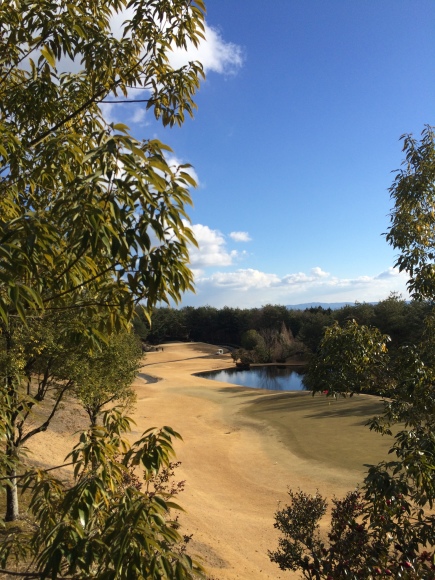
(322, 429)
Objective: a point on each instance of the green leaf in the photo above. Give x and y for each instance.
(120, 127)
(48, 54)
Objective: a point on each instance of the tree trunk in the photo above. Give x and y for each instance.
(12, 510)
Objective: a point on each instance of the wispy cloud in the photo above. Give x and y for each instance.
(240, 236)
(138, 116)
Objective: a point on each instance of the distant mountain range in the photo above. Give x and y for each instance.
(331, 305)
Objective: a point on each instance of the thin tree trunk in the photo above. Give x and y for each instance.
(12, 509)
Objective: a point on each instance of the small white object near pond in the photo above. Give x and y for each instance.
(220, 351)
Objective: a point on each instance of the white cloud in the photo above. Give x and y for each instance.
(212, 249)
(390, 273)
(253, 288)
(318, 272)
(240, 236)
(215, 54)
(242, 279)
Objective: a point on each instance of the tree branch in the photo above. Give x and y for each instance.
(43, 426)
(92, 100)
(23, 475)
(24, 56)
(32, 574)
(82, 284)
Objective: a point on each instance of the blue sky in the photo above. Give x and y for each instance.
(294, 143)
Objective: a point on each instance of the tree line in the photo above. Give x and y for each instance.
(402, 320)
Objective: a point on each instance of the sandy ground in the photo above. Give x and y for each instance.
(242, 449)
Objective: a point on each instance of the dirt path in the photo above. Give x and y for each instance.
(242, 449)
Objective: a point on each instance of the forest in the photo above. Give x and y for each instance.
(401, 320)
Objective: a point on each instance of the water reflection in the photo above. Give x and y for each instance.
(271, 377)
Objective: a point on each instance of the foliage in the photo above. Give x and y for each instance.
(412, 229)
(37, 362)
(387, 527)
(401, 320)
(49, 360)
(250, 339)
(87, 210)
(366, 539)
(105, 375)
(271, 317)
(42, 357)
(267, 345)
(391, 316)
(362, 312)
(351, 359)
(92, 220)
(101, 526)
(165, 324)
(287, 346)
(140, 325)
(246, 357)
(312, 327)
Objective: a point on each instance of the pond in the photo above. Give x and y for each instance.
(271, 377)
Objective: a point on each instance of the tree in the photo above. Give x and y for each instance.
(250, 339)
(51, 361)
(412, 229)
(272, 316)
(390, 316)
(312, 327)
(91, 218)
(38, 361)
(201, 322)
(103, 525)
(287, 346)
(362, 312)
(167, 324)
(350, 359)
(266, 347)
(386, 528)
(228, 326)
(88, 210)
(105, 376)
